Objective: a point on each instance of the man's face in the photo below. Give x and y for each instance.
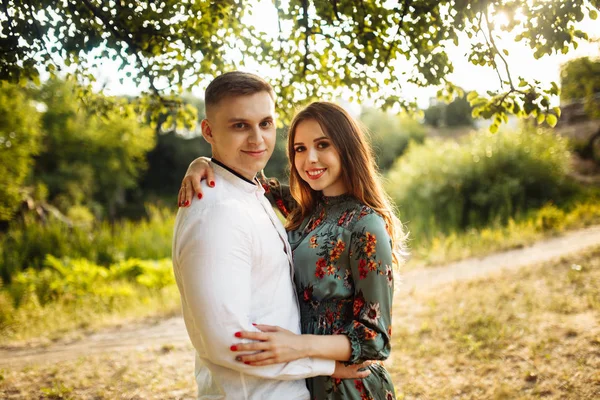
(242, 133)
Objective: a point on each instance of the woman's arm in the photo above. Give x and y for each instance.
(276, 345)
(367, 335)
(278, 194)
(371, 263)
(198, 170)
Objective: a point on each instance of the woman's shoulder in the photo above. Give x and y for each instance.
(360, 216)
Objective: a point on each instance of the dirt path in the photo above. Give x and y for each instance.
(171, 332)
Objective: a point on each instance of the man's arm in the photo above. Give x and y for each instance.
(212, 263)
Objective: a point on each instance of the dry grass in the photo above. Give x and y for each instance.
(529, 334)
(160, 373)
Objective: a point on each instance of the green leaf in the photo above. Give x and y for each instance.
(471, 96)
(593, 14)
(541, 118)
(551, 120)
(557, 111)
(493, 128)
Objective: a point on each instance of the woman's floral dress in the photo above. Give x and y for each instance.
(344, 282)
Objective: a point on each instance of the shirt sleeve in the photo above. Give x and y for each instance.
(212, 261)
(371, 264)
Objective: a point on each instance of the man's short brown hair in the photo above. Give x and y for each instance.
(235, 83)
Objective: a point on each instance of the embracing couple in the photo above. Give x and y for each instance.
(295, 312)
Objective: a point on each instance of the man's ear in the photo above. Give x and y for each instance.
(207, 131)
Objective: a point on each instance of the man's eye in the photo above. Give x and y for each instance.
(239, 125)
(266, 124)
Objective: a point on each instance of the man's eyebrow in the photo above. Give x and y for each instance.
(241, 119)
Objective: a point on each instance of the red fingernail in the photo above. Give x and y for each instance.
(233, 348)
(247, 362)
(187, 203)
(211, 184)
(253, 324)
(238, 334)
(199, 195)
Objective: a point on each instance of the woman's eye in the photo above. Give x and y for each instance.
(323, 145)
(299, 149)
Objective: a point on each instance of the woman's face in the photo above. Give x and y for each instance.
(316, 159)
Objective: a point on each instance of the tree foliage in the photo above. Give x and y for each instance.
(390, 134)
(321, 47)
(87, 159)
(580, 81)
(456, 113)
(19, 143)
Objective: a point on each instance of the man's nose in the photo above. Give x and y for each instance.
(255, 136)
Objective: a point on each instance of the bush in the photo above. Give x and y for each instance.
(26, 244)
(485, 178)
(72, 279)
(550, 218)
(70, 293)
(391, 134)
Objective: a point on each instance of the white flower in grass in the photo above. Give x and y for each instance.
(372, 314)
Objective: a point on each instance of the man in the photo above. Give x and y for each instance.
(231, 257)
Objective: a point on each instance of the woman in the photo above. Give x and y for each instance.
(343, 233)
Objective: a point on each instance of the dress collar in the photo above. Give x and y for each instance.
(333, 200)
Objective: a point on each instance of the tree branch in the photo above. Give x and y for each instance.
(306, 35)
(395, 39)
(130, 43)
(487, 21)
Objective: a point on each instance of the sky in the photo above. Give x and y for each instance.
(466, 75)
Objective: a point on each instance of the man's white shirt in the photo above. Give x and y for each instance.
(232, 263)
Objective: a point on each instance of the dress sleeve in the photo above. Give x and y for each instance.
(212, 256)
(279, 195)
(371, 264)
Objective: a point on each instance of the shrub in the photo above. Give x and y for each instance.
(72, 279)
(485, 178)
(390, 135)
(71, 293)
(26, 244)
(550, 218)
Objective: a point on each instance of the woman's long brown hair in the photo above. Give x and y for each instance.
(359, 171)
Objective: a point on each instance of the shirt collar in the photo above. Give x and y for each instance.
(236, 178)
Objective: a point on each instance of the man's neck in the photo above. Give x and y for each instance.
(219, 163)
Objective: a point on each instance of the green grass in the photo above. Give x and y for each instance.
(71, 296)
(543, 223)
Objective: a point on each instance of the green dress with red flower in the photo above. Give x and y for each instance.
(344, 282)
